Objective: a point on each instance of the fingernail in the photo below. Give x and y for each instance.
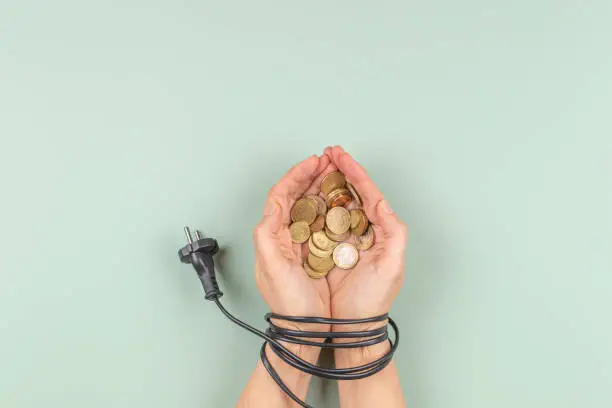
(384, 204)
(270, 208)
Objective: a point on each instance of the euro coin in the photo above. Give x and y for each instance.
(359, 222)
(338, 220)
(300, 231)
(320, 264)
(337, 237)
(354, 194)
(318, 223)
(322, 241)
(320, 202)
(332, 181)
(304, 209)
(365, 241)
(312, 273)
(316, 251)
(345, 256)
(338, 198)
(355, 218)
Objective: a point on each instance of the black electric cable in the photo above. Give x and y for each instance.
(199, 254)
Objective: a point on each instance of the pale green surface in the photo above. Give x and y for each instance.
(486, 124)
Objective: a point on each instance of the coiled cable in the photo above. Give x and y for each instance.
(274, 335)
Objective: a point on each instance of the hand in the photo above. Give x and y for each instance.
(279, 270)
(369, 289)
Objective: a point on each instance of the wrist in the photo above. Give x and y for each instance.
(305, 352)
(296, 380)
(353, 357)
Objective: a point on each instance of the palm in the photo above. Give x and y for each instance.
(304, 296)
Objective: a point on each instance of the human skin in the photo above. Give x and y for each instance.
(364, 291)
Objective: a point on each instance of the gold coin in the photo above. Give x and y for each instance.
(359, 222)
(332, 181)
(345, 256)
(365, 241)
(312, 273)
(318, 224)
(320, 264)
(354, 194)
(316, 251)
(304, 210)
(338, 198)
(338, 220)
(320, 202)
(300, 231)
(337, 237)
(355, 218)
(322, 241)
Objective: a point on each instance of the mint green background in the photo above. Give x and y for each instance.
(487, 124)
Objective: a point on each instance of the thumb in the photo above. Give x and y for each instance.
(264, 234)
(394, 230)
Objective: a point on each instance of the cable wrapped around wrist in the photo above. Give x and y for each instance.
(274, 335)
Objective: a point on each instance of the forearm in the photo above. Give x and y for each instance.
(382, 389)
(263, 391)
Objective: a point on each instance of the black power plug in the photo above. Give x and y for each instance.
(199, 253)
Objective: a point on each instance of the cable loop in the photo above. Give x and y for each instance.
(274, 335)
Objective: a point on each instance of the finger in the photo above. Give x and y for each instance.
(293, 184)
(394, 230)
(265, 233)
(298, 178)
(375, 206)
(278, 206)
(358, 177)
(301, 250)
(315, 186)
(328, 151)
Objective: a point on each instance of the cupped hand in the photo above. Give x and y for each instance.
(279, 269)
(370, 287)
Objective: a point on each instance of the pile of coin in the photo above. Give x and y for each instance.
(328, 223)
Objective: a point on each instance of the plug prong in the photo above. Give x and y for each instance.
(188, 235)
(198, 235)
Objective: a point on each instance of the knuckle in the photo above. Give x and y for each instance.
(258, 231)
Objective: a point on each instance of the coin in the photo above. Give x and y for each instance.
(345, 256)
(304, 209)
(332, 181)
(365, 241)
(320, 202)
(300, 231)
(359, 222)
(354, 193)
(338, 198)
(337, 237)
(355, 218)
(320, 264)
(318, 224)
(312, 273)
(322, 241)
(316, 251)
(338, 220)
